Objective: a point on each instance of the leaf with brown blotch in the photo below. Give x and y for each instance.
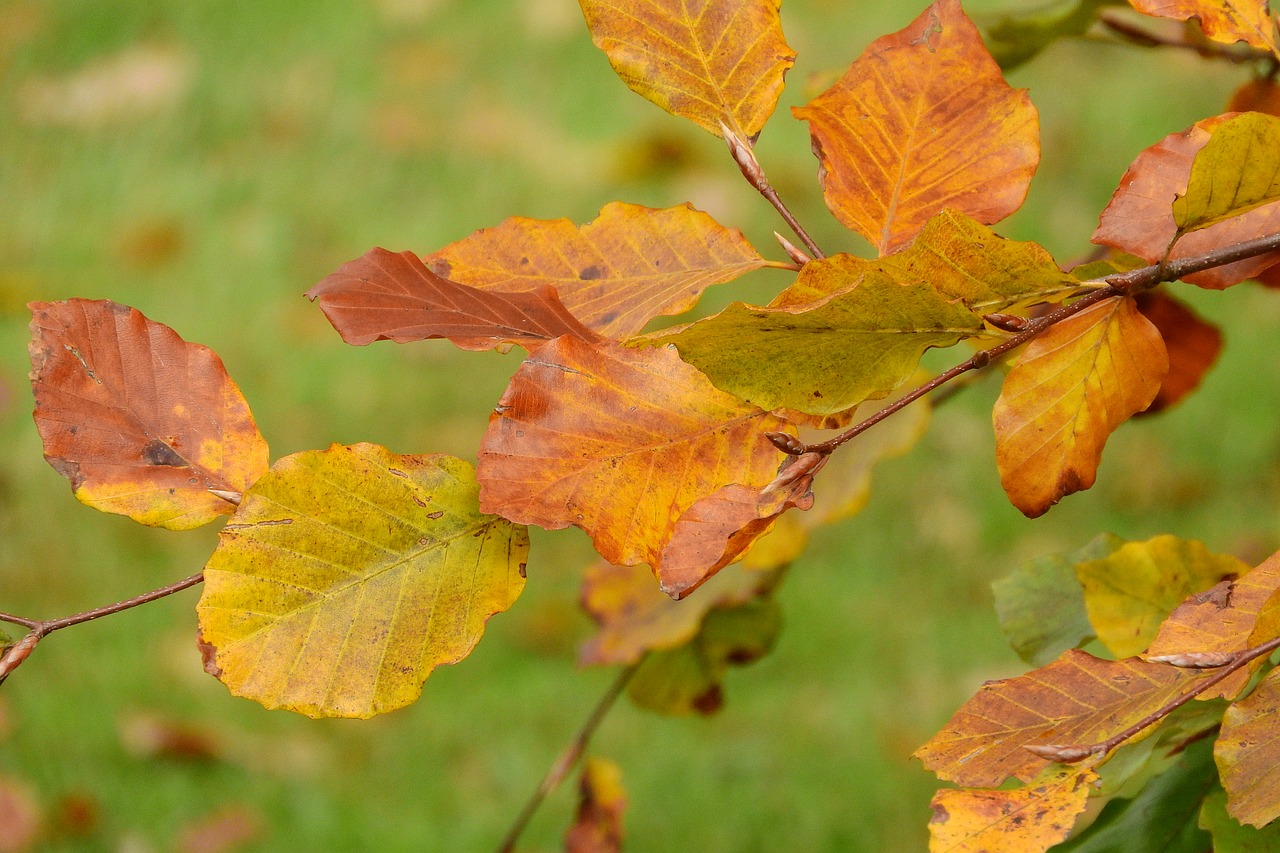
(1247, 753)
(390, 296)
(634, 616)
(1027, 820)
(1066, 394)
(1221, 619)
(713, 61)
(923, 121)
(614, 274)
(1236, 171)
(1226, 21)
(602, 801)
(1193, 345)
(141, 422)
(1129, 592)
(1139, 218)
(1077, 700)
(348, 575)
(619, 442)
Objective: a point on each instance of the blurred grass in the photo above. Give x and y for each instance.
(272, 141)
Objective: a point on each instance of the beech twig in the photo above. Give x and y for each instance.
(745, 157)
(39, 629)
(1131, 32)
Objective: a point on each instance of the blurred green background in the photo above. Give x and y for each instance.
(208, 162)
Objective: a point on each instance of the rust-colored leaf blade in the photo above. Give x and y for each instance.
(602, 803)
(1193, 345)
(922, 121)
(348, 575)
(711, 61)
(390, 296)
(1030, 819)
(1226, 21)
(1066, 394)
(614, 274)
(141, 422)
(1139, 218)
(619, 442)
(1247, 753)
(1076, 700)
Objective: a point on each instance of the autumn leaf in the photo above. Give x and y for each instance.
(1226, 21)
(383, 296)
(711, 61)
(1259, 95)
(602, 802)
(1193, 345)
(1236, 171)
(920, 122)
(1076, 700)
(614, 274)
(348, 574)
(1066, 394)
(857, 344)
(1247, 752)
(619, 442)
(1139, 219)
(1022, 820)
(1131, 591)
(141, 422)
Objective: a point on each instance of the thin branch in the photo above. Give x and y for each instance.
(568, 758)
(1134, 34)
(745, 157)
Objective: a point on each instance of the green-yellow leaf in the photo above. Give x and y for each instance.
(348, 574)
(1030, 819)
(858, 344)
(1236, 171)
(1131, 591)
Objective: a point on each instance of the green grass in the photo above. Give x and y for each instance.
(308, 132)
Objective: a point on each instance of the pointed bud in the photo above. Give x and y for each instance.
(786, 443)
(1008, 322)
(794, 469)
(744, 157)
(1194, 660)
(1060, 753)
(797, 256)
(228, 496)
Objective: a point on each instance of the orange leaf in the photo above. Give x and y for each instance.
(602, 801)
(1023, 820)
(712, 62)
(614, 274)
(1077, 700)
(1259, 95)
(1226, 21)
(923, 121)
(385, 296)
(141, 422)
(1139, 218)
(1070, 389)
(620, 442)
(1193, 345)
(1247, 753)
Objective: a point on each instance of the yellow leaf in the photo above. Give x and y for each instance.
(710, 61)
(1226, 21)
(1071, 388)
(1247, 753)
(1023, 820)
(348, 574)
(1237, 170)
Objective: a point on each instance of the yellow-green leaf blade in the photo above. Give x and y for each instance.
(711, 61)
(1236, 171)
(348, 574)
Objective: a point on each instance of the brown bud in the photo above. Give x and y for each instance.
(797, 256)
(788, 444)
(1008, 322)
(1194, 660)
(1061, 753)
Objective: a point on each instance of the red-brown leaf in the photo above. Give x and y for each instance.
(1193, 345)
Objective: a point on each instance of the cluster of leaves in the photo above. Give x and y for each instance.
(344, 576)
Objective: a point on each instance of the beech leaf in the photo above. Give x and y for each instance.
(1193, 345)
(1226, 21)
(621, 443)
(822, 358)
(1237, 170)
(602, 802)
(614, 274)
(1076, 700)
(1231, 836)
(1139, 219)
(710, 61)
(1066, 394)
(392, 296)
(1247, 752)
(141, 422)
(920, 122)
(348, 574)
(1131, 591)
(1028, 819)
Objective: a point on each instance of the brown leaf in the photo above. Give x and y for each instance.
(602, 802)
(1139, 218)
(1069, 390)
(140, 421)
(713, 62)
(922, 121)
(1259, 95)
(614, 274)
(1022, 820)
(1193, 345)
(619, 442)
(1247, 753)
(1077, 700)
(389, 296)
